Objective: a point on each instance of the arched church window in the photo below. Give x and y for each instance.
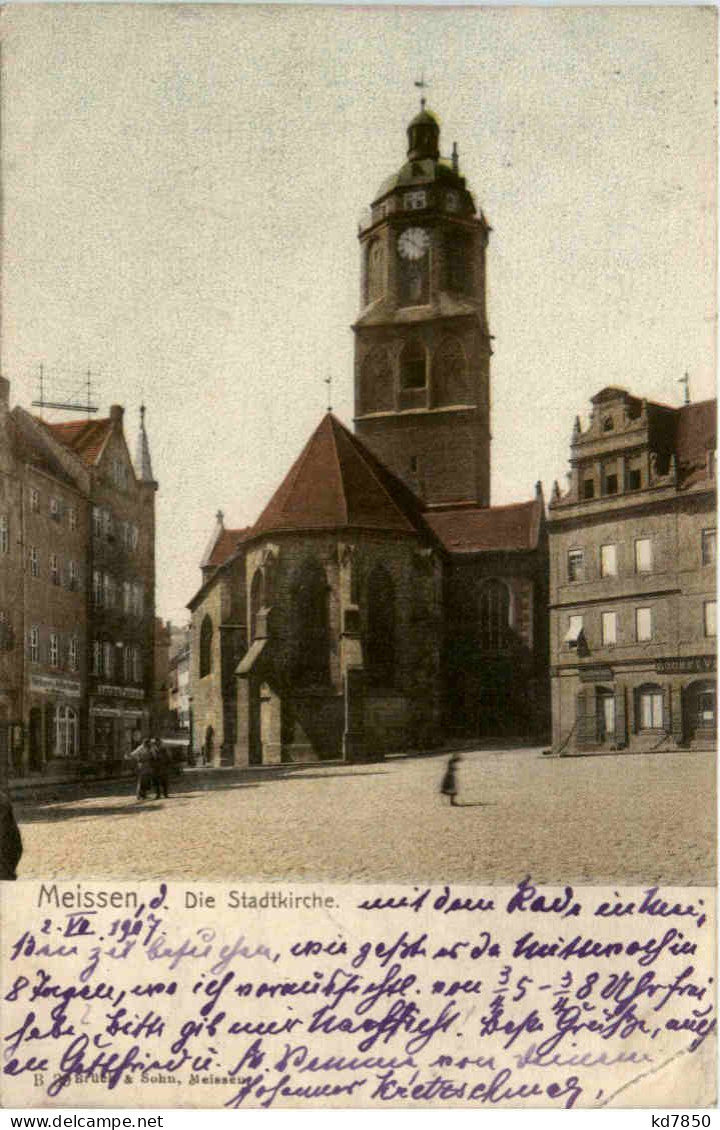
(257, 599)
(380, 635)
(377, 381)
(312, 625)
(375, 270)
(494, 616)
(450, 373)
(205, 659)
(413, 365)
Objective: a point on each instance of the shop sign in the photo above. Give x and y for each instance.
(595, 674)
(685, 664)
(114, 712)
(121, 692)
(53, 684)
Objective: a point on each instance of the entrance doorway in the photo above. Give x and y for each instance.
(699, 710)
(35, 739)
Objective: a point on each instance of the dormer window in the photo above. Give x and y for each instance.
(608, 424)
(452, 202)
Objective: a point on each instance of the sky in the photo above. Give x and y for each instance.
(182, 187)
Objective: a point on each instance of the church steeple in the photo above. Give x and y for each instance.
(143, 466)
(422, 351)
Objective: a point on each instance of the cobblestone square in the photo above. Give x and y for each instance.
(617, 818)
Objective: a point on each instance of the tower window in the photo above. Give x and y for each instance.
(375, 271)
(413, 365)
(414, 200)
(380, 636)
(456, 260)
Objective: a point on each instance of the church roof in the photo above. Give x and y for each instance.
(225, 546)
(86, 438)
(491, 528)
(336, 482)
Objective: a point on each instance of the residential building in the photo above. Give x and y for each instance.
(632, 578)
(76, 588)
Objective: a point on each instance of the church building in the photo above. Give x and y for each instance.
(379, 602)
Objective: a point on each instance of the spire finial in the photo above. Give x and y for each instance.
(328, 382)
(686, 381)
(143, 466)
(422, 85)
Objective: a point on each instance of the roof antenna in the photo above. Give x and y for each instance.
(455, 158)
(685, 381)
(70, 405)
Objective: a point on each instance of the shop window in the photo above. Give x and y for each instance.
(576, 565)
(643, 555)
(609, 628)
(650, 708)
(709, 618)
(380, 637)
(205, 658)
(66, 732)
(608, 561)
(312, 625)
(494, 618)
(705, 701)
(643, 624)
(709, 547)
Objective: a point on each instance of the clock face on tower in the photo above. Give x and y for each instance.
(413, 243)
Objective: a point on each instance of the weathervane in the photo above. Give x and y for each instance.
(686, 381)
(328, 382)
(421, 84)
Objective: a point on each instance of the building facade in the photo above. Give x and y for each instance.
(76, 591)
(632, 579)
(379, 601)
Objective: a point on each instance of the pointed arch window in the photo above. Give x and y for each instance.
(312, 625)
(413, 365)
(450, 373)
(257, 600)
(377, 381)
(381, 630)
(494, 616)
(206, 635)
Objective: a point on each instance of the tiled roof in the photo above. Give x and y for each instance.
(225, 546)
(695, 436)
(492, 528)
(84, 437)
(337, 482)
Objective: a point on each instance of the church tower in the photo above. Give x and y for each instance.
(422, 345)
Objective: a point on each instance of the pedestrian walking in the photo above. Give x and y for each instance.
(10, 840)
(143, 757)
(449, 786)
(161, 768)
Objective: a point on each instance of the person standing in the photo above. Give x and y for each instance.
(143, 757)
(161, 768)
(10, 840)
(449, 786)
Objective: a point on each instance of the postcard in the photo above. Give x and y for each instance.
(358, 557)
